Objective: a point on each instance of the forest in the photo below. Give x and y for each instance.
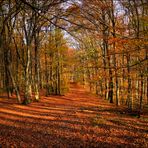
(77, 67)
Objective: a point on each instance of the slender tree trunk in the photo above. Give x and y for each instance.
(111, 85)
(110, 93)
(37, 76)
(114, 50)
(129, 100)
(122, 86)
(58, 75)
(51, 75)
(46, 74)
(137, 90)
(37, 70)
(141, 96)
(14, 85)
(28, 88)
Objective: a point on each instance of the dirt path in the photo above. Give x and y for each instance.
(77, 119)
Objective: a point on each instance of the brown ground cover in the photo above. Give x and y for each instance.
(75, 120)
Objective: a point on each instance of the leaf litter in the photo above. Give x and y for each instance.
(75, 120)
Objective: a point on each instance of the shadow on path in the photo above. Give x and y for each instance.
(75, 120)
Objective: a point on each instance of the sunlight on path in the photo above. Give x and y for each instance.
(77, 119)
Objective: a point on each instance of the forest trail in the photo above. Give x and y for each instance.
(75, 120)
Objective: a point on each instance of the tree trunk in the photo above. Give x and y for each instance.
(141, 96)
(46, 74)
(110, 93)
(37, 71)
(129, 100)
(28, 88)
(14, 85)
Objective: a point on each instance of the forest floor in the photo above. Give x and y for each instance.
(75, 120)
